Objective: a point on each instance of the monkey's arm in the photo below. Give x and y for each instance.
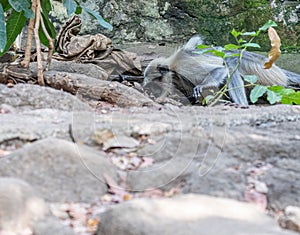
(236, 89)
(213, 80)
(236, 84)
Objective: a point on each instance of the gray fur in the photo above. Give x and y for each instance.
(205, 71)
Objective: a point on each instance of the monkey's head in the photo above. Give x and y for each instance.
(155, 71)
(157, 77)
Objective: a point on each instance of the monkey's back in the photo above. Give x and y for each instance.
(253, 64)
(195, 67)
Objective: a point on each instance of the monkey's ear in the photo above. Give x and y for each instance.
(163, 69)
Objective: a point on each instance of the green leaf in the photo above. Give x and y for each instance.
(219, 53)
(78, 10)
(22, 5)
(251, 44)
(43, 37)
(292, 98)
(229, 55)
(288, 96)
(50, 29)
(277, 89)
(281, 90)
(102, 22)
(231, 47)
(235, 33)
(251, 78)
(5, 4)
(267, 25)
(253, 34)
(71, 6)
(273, 97)
(14, 25)
(241, 41)
(201, 47)
(257, 92)
(46, 6)
(2, 30)
(49, 26)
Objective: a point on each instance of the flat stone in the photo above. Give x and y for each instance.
(187, 215)
(26, 97)
(60, 170)
(20, 206)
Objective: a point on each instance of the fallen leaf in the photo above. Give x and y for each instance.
(102, 136)
(275, 52)
(92, 224)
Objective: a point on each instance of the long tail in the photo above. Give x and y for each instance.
(293, 78)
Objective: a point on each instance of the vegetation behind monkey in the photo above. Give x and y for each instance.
(191, 73)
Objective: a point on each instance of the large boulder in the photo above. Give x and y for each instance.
(60, 170)
(187, 215)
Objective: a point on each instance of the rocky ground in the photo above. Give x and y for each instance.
(134, 166)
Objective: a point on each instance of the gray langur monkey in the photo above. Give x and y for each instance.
(191, 72)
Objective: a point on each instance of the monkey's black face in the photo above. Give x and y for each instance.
(155, 82)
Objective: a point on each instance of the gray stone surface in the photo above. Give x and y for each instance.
(216, 151)
(25, 96)
(187, 215)
(51, 226)
(210, 149)
(20, 206)
(60, 170)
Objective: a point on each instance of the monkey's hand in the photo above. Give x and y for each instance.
(202, 91)
(197, 91)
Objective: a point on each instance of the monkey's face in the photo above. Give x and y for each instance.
(155, 71)
(157, 78)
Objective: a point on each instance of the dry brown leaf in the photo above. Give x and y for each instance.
(101, 136)
(275, 52)
(92, 224)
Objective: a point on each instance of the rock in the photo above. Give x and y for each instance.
(120, 141)
(174, 21)
(291, 218)
(25, 97)
(60, 170)
(187, 215)
(24, 127)
(20, 206)
(51, 226)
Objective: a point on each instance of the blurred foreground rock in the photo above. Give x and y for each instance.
(187, 215)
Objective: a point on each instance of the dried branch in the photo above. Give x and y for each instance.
(51, 44)
(37, 41)
(26, 61)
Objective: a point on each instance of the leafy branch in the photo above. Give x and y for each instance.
(274, 93)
